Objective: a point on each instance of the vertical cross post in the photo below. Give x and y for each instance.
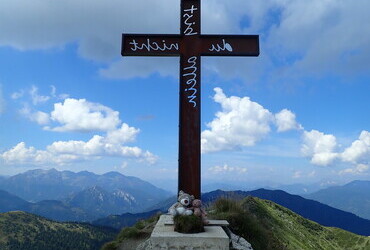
(190, 45)
(189, 170)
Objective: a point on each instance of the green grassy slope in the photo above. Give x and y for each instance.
(267, 225)
(20, 230)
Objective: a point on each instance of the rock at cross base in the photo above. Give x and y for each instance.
(239, 243)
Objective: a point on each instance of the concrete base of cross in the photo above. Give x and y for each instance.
(164, 237)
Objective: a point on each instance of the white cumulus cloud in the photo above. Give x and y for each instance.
(357, 170)
(21, 154)
(39, 117)
(79, 115)
(123, 134)
(83, 116)
(227, 169)
(319, 147)
(64, 152)
(99, 146)
(285, 120)
(322, 149)
(241, 122)
(359, 151)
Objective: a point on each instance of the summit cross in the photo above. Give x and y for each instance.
(190, 45)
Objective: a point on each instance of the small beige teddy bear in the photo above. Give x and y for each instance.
(199, 211)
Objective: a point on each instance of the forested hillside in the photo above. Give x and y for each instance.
(20, 230)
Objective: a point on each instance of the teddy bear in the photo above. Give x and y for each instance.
(199, 211)
(182, 206)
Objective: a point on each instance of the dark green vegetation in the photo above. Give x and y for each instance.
(353, 197)
(267, 225)
(19, 230)
(188, 224)
(130, 237)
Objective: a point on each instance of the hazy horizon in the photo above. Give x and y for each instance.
(211, 185)
(298, 113)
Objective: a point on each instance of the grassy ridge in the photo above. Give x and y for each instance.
(20, 230)
(267, 225)
(131, 237)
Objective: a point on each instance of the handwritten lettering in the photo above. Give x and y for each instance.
(149, 45)
(224, 46)
(189, 31)
(190, 72)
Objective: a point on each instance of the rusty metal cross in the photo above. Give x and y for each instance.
(190, 45)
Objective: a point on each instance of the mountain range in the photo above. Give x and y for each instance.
(110, 193)
(298, 188)
(295, 188)
(353, 197)
(86, 196)
(51, 209)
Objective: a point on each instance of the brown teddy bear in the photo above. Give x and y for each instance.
(199, 211)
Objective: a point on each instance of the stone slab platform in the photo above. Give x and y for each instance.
(164, 237)
(222, 223)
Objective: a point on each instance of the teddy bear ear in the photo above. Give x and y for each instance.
(192, 197)
(181, 192)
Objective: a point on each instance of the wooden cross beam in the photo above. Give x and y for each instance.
(190, 45)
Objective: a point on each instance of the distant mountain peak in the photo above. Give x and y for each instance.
(85, 172)
(352, 197)
(358, 183)
(113, 174)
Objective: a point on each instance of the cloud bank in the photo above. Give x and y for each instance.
(227, 169)
(78, 115)
(322, 149)
(298, 37)
(243, 123)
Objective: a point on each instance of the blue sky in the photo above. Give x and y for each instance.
(299, 113)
